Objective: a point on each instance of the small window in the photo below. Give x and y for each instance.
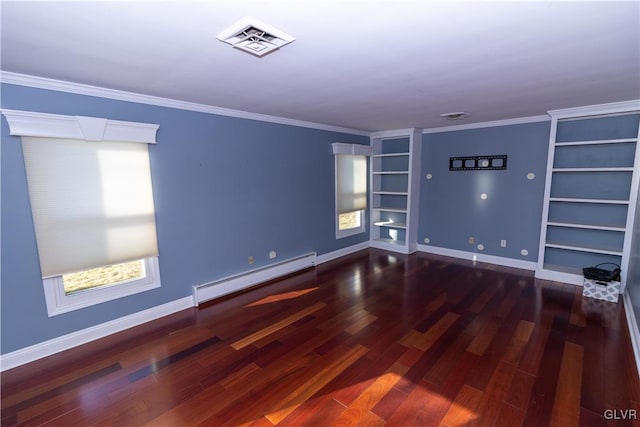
(117, 274)
(351, 188)
(350, 220)
(81, 289)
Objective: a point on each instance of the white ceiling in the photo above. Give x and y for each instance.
(368, 65)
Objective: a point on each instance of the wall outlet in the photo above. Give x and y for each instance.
(503, 243)
(251, 260)
(272, 254)
(472, 240)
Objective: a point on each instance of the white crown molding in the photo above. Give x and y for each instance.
(82, 89)
(596, 110)
(477, 257)
(28, 123)
(393, 133)
(74, 339)
(495, 123)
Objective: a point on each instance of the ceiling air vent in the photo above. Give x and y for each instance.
(254, 37)
(458, 115)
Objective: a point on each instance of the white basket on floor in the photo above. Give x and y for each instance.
(607, 292)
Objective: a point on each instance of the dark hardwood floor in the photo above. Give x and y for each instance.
(371, 339)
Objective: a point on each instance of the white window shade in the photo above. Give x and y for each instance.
(351, 176)
(92, 202)
(351, 183)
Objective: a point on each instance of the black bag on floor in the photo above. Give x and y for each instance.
(602, 274)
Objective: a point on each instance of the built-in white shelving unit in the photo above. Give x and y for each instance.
(395, 166)
(591, 191)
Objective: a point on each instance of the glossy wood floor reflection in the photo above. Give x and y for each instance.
(370, 339)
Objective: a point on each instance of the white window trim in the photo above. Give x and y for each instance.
(28, 123)
(36, 124)
(344, 148)
(58, 302)
(340, 234)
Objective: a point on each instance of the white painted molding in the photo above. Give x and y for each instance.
(238, 282)
(473, 256)
(394, 133)
(495, 123)
(82, 89)
(551, 150)
(393, 247)
(342, 252)
(598, 109)
(74, 339)
(356, 149)
(634, 333)
(559, 276)
(28, 123)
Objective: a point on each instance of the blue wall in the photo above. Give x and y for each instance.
(224, 188)
(451, 209)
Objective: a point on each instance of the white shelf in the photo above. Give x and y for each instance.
(597, 142)
(381, 208)
(392, 193)
(584, 249)
(586, 226)
(392, 155)
(391, 173)
(403, 149)
(592, 169)
(602, 201)
(390, 224)
(559, 257)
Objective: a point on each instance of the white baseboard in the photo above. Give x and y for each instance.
(393, 247)
(235, 283)
(559, 276)
(633, 328)
(473, 256)
(238, 282)
(342, 252)
(74, 339)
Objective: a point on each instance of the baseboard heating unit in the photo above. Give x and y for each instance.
(238, 282)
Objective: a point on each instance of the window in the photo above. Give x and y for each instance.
(349, 220)
(92, 205)
(72, 291)
(103, 276)
(351, 188)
